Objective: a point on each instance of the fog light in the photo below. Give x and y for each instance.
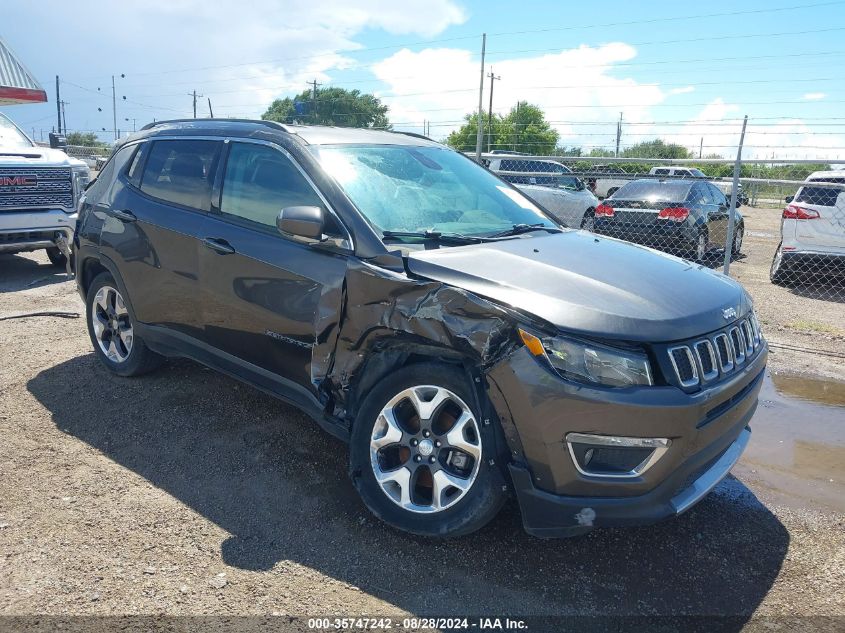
(614, 456)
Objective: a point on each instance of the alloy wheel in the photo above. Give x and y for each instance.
(425, 449)
(738, 240)
(112, 325)
(701, 246)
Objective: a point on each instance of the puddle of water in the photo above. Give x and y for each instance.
(797, 447)
(810, 389)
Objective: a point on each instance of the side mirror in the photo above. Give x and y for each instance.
(305, 222)
(789, 199)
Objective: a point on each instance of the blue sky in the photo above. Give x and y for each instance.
(669, 74)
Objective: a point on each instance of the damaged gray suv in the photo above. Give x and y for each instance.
(465, 344)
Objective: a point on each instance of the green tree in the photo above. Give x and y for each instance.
(524, 129)
(658, 148)
(89, 139)
(334, 106)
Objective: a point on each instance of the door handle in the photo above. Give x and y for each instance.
(218, 245)
(124, 215)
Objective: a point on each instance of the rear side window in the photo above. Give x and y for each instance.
(661, 172)
(261, 181)
(718, 196)
(824, 196)
(181, 172)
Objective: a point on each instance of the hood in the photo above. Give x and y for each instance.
(591, 285)
(37, 157)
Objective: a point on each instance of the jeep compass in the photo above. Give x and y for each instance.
(464, 343)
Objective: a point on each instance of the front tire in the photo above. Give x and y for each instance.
(56, 257)
(736, 247)
(421, 457)
(589, 221)
(112, 331)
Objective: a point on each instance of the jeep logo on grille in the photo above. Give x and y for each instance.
(729, 313)
(21, 181)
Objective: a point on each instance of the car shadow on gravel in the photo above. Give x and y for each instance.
(278, 485)
(20, 273)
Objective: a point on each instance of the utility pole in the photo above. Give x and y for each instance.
(58, 105)
(64, 115)
(194, 95)
(480, 132)
(210, 111)
(114, 108)
(516, 135)
(493, 79)
(313, 85)
(618, 134)
(700, 147)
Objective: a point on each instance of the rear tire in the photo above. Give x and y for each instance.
(777, 274)
(113, 333)
(736, 247)
(588, 223)
(407, 461)
(56, 257)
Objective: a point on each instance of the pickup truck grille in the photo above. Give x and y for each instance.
(708, 358)
(35, 188)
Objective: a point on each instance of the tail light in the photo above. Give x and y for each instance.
(675, 214)
(604, 211)
(793, 212)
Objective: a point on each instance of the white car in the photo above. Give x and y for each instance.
(39, 189)
(569, 201)
(812, 232)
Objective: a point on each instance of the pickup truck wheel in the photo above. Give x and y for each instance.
(112, 331)
(56, 257)
(420, 456)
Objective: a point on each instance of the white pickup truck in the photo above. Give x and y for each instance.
(39, 189)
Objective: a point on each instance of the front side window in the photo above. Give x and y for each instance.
(261, 181)
(181, 172)
(410, 188)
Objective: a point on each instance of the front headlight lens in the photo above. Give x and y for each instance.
(583, 362)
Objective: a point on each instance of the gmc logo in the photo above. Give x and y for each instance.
(18, 181)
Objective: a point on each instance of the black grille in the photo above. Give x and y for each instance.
(738, 344)
(703, 351)
(53, 188)
(683, 363)
(725, 358)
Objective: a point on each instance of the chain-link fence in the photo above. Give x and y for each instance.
(784, 239)
(94, 156)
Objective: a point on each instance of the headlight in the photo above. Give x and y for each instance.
(81, 178)
(588, 363)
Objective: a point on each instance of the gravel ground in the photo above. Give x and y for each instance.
(185, 492)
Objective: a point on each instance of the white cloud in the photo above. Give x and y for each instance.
(682, 91)
(572, 86)
(814, 96)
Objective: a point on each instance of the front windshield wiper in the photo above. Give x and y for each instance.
(437, 236)
(519, 229)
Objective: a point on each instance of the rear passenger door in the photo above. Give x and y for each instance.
(262, 291)
(151, 229)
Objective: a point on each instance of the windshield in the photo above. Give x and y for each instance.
(10, 136)
(698, 173)
(406, 188)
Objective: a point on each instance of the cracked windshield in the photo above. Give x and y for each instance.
(419, 189)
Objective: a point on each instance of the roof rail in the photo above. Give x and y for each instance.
(414, 134)
(273, 124)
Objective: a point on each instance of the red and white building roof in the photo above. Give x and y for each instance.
(17, 84)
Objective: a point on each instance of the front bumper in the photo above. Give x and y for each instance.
(708, 430)
(32, 230)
